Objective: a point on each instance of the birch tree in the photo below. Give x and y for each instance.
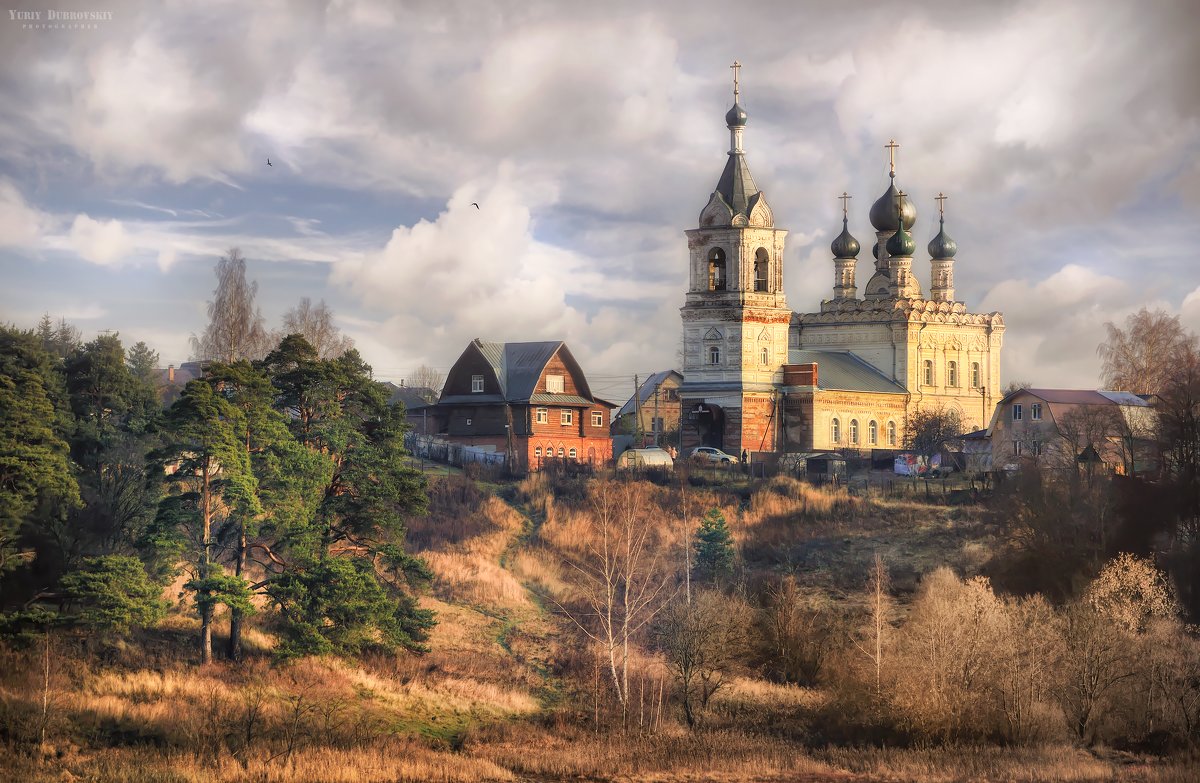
(235, 327)
(619, 577)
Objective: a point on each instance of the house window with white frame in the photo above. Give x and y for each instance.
(566, 417)
(891, 433)
(854, 431)
(952, 374)
(542, 416)
(1016, 448)
(835, 431)
(572, 453)
(476, 384)
(537, 452)
(560, 452)
(975, 377)
(764, 356)
(873, 433)
(1017, 412)
(554, 384)
(597, 418)
(928, 367)
(1035, 411)
(714, 354)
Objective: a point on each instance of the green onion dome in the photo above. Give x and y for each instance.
(901, 244)
(942, 246)
(845, 246)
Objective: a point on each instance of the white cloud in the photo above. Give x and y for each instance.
(20, 224)
(103, 242)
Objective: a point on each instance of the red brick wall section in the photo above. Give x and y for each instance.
(759, 421)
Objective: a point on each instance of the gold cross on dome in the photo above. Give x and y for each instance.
(940, 199)
(736, 65)
(845, 199)
(891, 147)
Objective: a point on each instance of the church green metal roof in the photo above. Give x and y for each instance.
(843, 371)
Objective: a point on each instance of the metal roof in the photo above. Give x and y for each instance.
(1085, 397)
(736, 186)
(519, 366)
(843, 371)
(559, 399)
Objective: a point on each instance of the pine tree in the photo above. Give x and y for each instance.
(205, 460)
(714, 548)
(35, 467)
(352, 553)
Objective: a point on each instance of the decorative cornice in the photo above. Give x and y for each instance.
(834, 311)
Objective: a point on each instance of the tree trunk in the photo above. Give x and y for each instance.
(205, 561)
(235, 614)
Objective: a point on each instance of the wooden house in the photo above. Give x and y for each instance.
(529, 401)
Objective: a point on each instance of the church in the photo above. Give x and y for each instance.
(761, 378)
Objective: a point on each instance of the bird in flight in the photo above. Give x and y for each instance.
(475, 204)
(269, 162)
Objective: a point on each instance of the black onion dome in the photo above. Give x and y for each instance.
(736, 117)
(901, 244)
(845, 246)
(883, 211)
(942, 246)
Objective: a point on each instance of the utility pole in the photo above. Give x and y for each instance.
(638, 433)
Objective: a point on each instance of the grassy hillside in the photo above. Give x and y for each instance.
(510, 690)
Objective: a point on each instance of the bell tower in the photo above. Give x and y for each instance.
(735, 315)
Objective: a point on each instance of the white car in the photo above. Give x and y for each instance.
(712, 455)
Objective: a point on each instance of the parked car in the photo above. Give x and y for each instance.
(645, 458)
(712, 455)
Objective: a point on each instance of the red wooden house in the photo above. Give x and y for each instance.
(530, 401)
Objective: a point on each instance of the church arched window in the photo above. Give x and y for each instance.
(928, 372)
(952, 374)
(714, 354)
(975, 384)
(891, 433)
(873, 433)
(835, 431)
(854, 432)
(716, 269)
(764, 356)
(560, 452)
(762, 266)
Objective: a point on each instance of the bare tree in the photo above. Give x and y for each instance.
(1094, 656)
(426, 377)
(705, 641)
(619, 578)
(872, 638)
(235, 328)
(315, 324)
(801, 629)
(1140, 358)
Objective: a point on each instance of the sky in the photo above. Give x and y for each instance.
(133, 152)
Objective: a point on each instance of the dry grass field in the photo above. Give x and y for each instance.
(508, 692)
